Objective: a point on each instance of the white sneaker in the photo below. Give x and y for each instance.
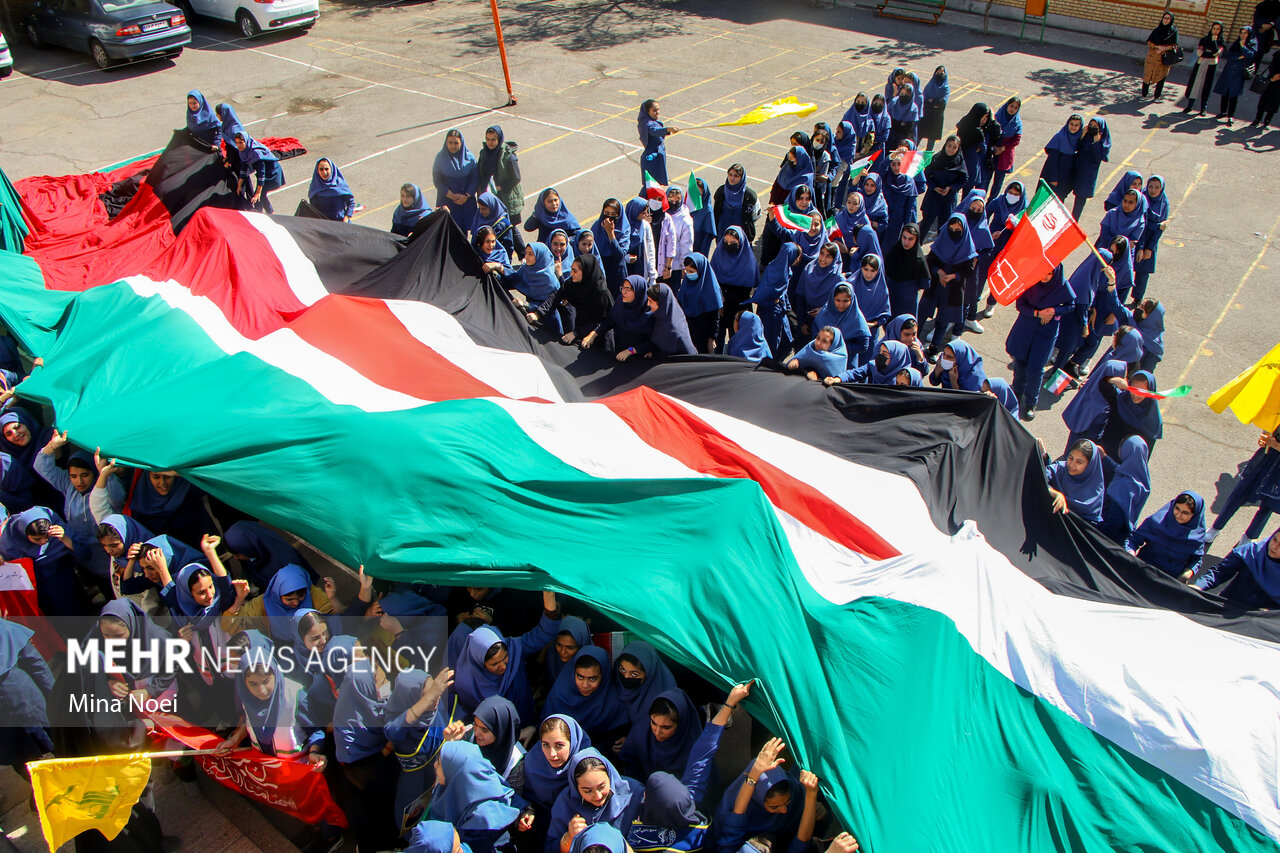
(973, 326)
(1211, 535)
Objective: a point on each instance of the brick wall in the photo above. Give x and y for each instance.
(1144, 16)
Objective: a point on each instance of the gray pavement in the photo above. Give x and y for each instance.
(374, 86)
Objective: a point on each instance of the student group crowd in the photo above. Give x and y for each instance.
(532, 738)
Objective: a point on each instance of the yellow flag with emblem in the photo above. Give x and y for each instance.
(74, 795)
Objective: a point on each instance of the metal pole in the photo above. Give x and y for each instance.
(502, 51)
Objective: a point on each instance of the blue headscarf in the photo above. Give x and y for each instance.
(542, 782)
(599, 835)
(1182, 540)
(196, 615)
(1129, 350)
(266, 550)
(302, 654)
(758, 820)
(147, 500)
(736, 196)
(968, 366)
(899, 359)
(621, 228)
(903, 107)
(880, 122)
(952, 250)
(1085, 280)
(431, 836)
(335, 188)
(810, 245)
(830, 362)
(576, 250)
(704, 218)
(407, 217)
(1064, 141)
(474, 797)
(917, 381)
(562, 218)
(604, 709)
(1084, 491)
(498, 219)
(265, 716)
(621, 807)
(893, 329)
(1131, 482)
(872, 296)
(850, 322)
(1141, 413)
(735, 268)
(289, 579)
(254, 151)
(359, 716)
(539, 280)
(130, 533)
(581, 633)
(1104, 136)
(999, 210)
(497, 255)
(1010, 125)
(472, 682)
(454, 168)
(979, 230)
(846, 144)
(634, 319)
(202, 123)
(938, 89)
(817, 283)
(749, 342)
(230, 123)
(645, 124)
(489, 158)
(1125, 183)
(796, 174)
(670, 331)
(700, 295)
(1265, 571)
(500, 716)
(775, 281)
(1152, 328)
(15, 544)
(644, 751)
(657, 680)
(13, 639)
(1004, 393)
(861, 121)
(877, 209)
(1130, 225)
(1158, 207)
(851, 224)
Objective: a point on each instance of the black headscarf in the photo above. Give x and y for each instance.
(968, 129)
(906, 264)
(944, 162)
(590, 297)
(804, 142)
(1164, 33)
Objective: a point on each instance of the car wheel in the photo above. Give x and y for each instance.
(33, 36)
(99, 54)
(248, 26)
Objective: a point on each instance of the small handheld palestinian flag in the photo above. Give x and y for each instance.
(857, 167)
(913, 162)
(1043, 238)
(1173, 393)
(1057, 382)
(654, 190)
(695, 193)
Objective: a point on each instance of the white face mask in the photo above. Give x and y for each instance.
(947, 363)
(384, 691)
(655, 204)
(1011, 198)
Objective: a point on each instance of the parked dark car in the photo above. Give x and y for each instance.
(109, 30)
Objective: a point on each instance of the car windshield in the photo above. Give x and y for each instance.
(121, 5)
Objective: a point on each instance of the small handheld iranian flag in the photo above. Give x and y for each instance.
(913, 162)
(1057, 382)
(654, 190)
(1043, 238)
(695, 193)
(791, 220)
(1173, 393)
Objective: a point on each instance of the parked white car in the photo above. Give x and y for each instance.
(6, 60)
(255, 17)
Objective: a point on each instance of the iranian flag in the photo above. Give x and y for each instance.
(913, 162)
(791, 220)
(654, 190)
(1043, 238)
(927, 635)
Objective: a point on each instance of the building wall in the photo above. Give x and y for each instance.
(1129, 16)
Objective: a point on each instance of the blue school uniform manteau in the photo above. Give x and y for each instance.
(403, 219)
(1090, 406)
(749, 341)
(735, 267)
(772, 295)
(657, 680)
(653, 136)
(1084, 491)
(602, 711)
(333, 197)
(670, 332)
(1060, 156)
(969, 368)
(647, 755)
(359, 717)
(814, 286)
(798, 174)
(545, 222)
(267, 551)
(1157, 213)
(1090, 156)
(872, 296)
(1169, 546)
(700, 294)
(828, 362)
(456, 173)
(731, 831)
(618, 811)
(852, 326)
(542, 782)
(1128, 490)
(203, 124)
(474, 798)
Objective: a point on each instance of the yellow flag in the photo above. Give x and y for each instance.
(776, 109)
(1254, 395)
(77, 794)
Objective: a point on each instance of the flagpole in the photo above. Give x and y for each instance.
(502, 51)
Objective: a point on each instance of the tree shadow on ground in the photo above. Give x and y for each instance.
(1116, 90)
(585, 25)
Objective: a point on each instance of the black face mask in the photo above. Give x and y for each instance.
(882, 361)
(632, 681)
(973, 215)
(732, 247)
(860, 107)
(955, 235)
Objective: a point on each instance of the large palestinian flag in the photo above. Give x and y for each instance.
(959, 665)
